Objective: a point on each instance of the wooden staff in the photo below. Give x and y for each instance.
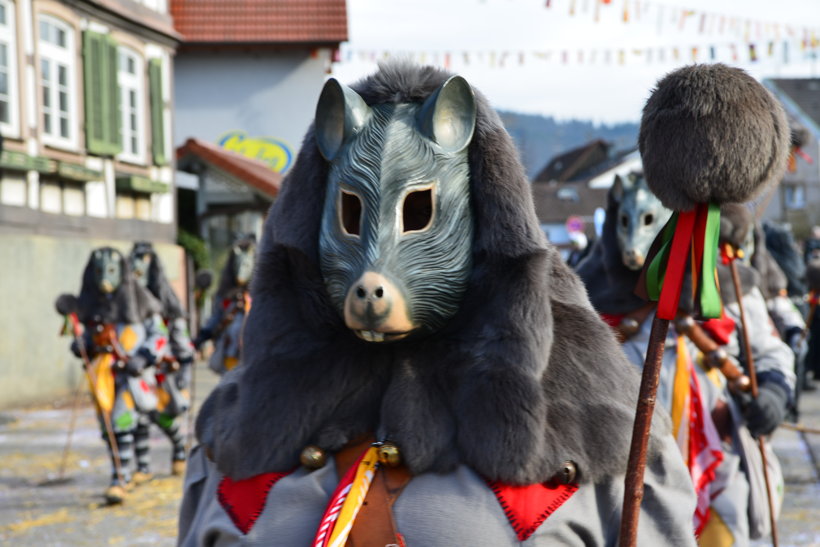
(753, 380)
(109, 429)
(633, 489)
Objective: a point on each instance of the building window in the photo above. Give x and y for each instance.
(130, 79)
(795, 197)
(13, 190)
(56, 48)
(134, 205)
(62, 197)
(8, 70)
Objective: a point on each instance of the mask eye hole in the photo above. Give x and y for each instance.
(417, 211)
(648, 219)
(350, 213)
(624, 221)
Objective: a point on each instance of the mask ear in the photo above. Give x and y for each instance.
(616, 191)
(447, 117)
(340, 114)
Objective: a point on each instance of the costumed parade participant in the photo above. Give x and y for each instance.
(231, 304)
(420, 367)
(742, 232)
(711, 422)
(123, 337)
(174, 372)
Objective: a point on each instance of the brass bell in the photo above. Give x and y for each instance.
(629, 327)
(568, 472)
(313, 457)
(389, 455)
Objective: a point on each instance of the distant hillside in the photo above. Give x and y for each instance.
(539, 138)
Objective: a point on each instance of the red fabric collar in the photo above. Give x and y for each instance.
(245, 500)
(527, 507)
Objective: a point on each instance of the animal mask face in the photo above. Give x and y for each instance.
(640, 217)
(140, 264)
(397, 228)
(244, 256)
(107, 270)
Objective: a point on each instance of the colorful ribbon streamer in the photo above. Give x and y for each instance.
(687, 233)
(337, 522)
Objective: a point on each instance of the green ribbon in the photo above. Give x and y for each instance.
(710, 303)
(657, 268)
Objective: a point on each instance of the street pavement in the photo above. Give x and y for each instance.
(36, 509)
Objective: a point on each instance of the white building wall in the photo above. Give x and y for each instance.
(270, 94)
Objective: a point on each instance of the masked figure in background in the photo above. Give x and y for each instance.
(406, 296)
(811, 253)
(174, 371)
(711, 423)
(123, 336)
(772, 283)
(232, 302)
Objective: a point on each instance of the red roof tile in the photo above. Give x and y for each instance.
(256, 174)
(260, 21)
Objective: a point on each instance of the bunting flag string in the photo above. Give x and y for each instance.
(712, 37)
(778, 52)
(682, 18)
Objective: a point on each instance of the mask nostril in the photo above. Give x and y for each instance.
(379, 292)
(360, 292)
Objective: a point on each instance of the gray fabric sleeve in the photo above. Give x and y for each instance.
(769, 351)
(201, 519)
(786, 316)
(668, 505)
(180, 340)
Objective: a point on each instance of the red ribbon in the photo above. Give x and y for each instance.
(676, 267)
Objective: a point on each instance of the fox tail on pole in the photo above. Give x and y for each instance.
(697, 122)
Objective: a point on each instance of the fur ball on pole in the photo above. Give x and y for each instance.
(711, 134)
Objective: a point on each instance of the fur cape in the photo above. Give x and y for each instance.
(524, 377)
(161, 289)
(609, 282)
(130, 303)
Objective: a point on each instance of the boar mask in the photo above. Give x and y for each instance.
(397, 226)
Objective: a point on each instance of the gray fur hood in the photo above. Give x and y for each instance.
(524, 377)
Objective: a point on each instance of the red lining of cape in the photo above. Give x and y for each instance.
(527, 507)
(245, 500)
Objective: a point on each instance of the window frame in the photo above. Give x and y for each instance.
(132, 82)
(8, 34)
(55, 56)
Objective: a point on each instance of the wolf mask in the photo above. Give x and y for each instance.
(511, 372)
(396, 236)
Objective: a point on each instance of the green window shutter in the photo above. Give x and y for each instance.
(114, 113)
(102, 94)
(157, 109)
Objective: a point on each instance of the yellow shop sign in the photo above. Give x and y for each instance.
(274, 152)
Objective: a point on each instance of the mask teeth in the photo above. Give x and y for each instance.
(372, 336)
(107, 286)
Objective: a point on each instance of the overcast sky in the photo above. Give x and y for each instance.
(527, 57)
